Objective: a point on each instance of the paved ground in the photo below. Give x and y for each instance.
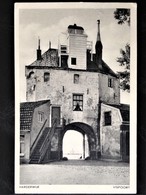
(76, 172)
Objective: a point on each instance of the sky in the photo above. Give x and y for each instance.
(73, 145)
(49, 23)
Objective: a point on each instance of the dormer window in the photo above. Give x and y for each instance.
(73, 61)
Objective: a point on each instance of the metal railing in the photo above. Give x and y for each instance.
(38, 137)
(61, 122)
(47, 141)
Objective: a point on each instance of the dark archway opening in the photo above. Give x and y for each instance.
(88, 135)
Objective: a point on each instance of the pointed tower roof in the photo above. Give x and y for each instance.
(98, 44)
(39, 43)
(98, 31)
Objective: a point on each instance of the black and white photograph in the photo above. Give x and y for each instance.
(75, 97)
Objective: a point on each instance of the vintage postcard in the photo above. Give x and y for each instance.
(75, 98)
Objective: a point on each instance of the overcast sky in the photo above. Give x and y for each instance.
(49, 23)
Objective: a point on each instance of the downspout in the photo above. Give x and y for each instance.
(83, 146)
(98, 129)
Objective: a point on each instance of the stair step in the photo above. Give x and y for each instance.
(35, 156)
(35, 159)
(34, 162)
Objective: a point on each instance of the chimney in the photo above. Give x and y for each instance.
(98, 46)
(49, 44)
(39, 55)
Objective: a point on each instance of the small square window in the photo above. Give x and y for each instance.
(107, 118)
(73, 61)
(110, 82)
(46, 76)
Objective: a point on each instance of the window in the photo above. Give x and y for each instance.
(78, 31)
(77, 102)
(46, 76)
(63, 49)
(33, 87)
(31, 75)
(107, 118)
(76, 78)
(71, 31)
(22, 137)
(73, 61)
(110, 82)
(40, 116)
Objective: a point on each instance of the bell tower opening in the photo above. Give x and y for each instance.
(75, 145)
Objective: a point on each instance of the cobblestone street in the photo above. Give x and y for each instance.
(76, 172)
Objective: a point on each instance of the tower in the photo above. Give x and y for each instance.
(77, 46)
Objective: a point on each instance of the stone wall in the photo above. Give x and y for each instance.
(109, 95)
(60, 89)
(110, 134)
(26, 152)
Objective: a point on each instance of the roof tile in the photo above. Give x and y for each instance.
(26, 113)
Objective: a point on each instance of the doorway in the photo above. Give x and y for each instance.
(55, 115)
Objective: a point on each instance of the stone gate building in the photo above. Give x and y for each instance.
(78, 87)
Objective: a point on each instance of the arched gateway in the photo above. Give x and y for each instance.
(84, 129)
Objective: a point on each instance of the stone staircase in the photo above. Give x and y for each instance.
(42, 142)
(35, 156)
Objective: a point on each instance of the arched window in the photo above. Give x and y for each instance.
(46, 76)
(76, 78)
(31, 75)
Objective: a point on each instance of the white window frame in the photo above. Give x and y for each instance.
(78, 99)
(40, 116)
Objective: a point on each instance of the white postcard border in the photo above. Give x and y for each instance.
(133, 109)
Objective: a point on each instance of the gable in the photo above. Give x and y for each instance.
(26, 113)
(49, 58)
